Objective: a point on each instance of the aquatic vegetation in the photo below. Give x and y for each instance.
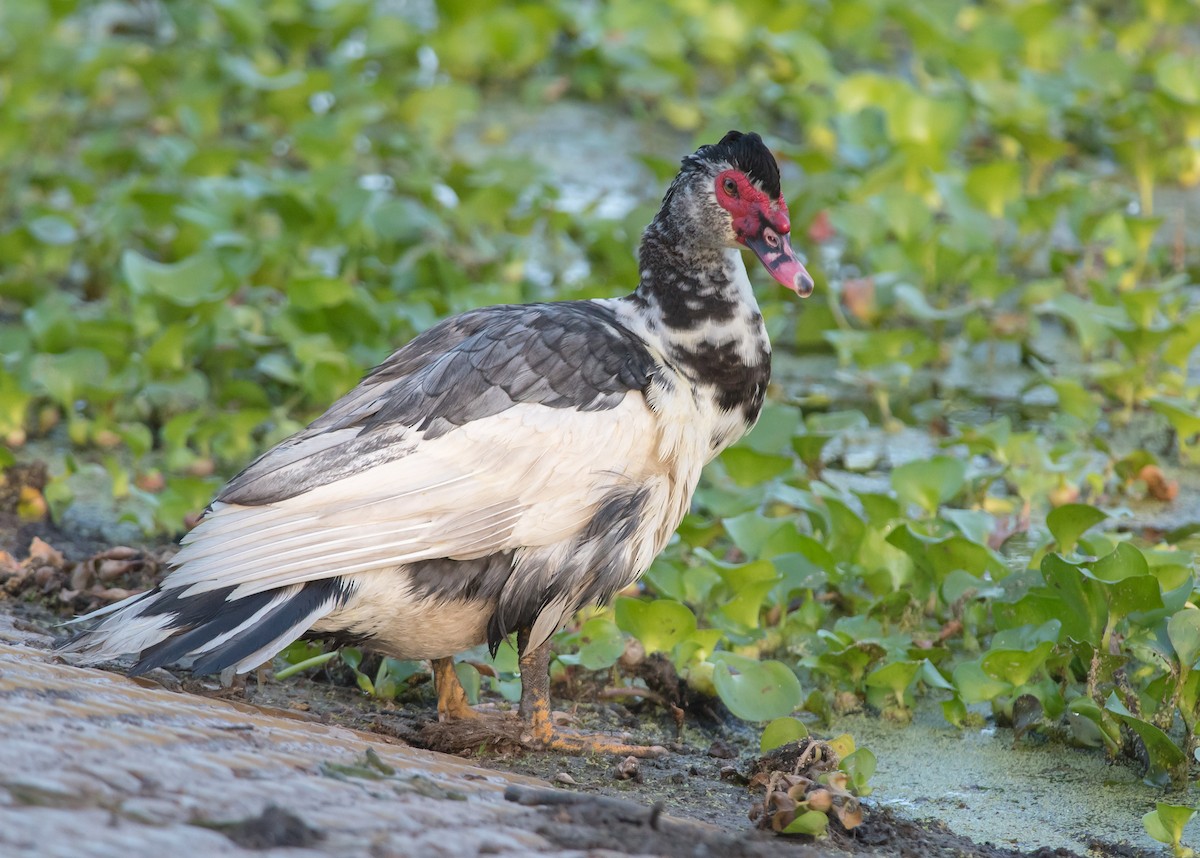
(967, 482)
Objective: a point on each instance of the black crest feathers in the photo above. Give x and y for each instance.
(745, 152)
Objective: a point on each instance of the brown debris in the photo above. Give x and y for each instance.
(21, 489)
(798, 777)
(76, 587)
(1157, 484)
(627, 770)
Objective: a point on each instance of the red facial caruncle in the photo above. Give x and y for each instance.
(762, 225)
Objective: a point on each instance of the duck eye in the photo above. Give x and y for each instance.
(730, 187)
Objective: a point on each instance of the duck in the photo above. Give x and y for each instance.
(499, 472)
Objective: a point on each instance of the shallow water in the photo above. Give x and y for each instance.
(1026, 794)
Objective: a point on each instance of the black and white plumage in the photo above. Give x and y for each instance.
(501, 470)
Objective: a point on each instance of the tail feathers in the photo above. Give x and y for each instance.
(212, 629)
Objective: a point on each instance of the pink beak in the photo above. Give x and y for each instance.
(775, 252)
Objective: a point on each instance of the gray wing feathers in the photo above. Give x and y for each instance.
(562, 355)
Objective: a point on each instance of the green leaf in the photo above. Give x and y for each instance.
(811, 822)
(659, 625)
(1178, 75)
(52, 229)
(600, 643)
(1166, 760)
(750, 530)
(1183, 629)
(317, 293)
(954, 711)
(1070, 521)
(755, 690)
(189, 283)
(896, 677)
(1166, 823)
(468, 677)
(1125, 562)
(1084, 611)
(860, 766)
(749, 585)
(781, 731)
(931, 482)
(975, 685)
(307, 664)
(749, 467)
(1016, 667)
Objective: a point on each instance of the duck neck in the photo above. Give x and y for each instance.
(697, 305)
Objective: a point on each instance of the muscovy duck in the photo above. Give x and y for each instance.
(503, 469)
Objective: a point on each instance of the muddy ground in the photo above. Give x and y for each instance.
(703, 778)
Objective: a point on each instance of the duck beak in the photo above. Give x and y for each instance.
(775, 252)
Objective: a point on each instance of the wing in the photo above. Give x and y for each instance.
(503, 429)
(570, 355)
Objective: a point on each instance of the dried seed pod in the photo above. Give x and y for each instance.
(820, 799)
(119, 552)
(633, 655)
(627, 769)
(849, 813)
(110, 570)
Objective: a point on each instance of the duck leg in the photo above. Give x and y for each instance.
(452, 699)
(535, 713)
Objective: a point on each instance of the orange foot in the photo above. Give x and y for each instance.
(452, 699)
(461, 728)
(540, 732)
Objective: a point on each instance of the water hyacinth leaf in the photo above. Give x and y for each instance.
(68, 376)
(929, 483)
(52, 229)
(1134, 595)
(1090, 726)
(1125, 562)
(1183, 629)
(743, 610)
(896, 677)
(843, 745)
(954, 711)
(975, 685)
(812, 822)
(750, 530)
(600, 643)
(1016, 667)
(1027, 637)
(1070, 521)
(933, 677)
(860, 767)
(809, 446)
(1178, 76)
(188, 283)
(748, 467)
(780, 732)
(775, 427)
(940, 556)
(1166, 823)
(468, 676)
(837, 422)
(659, 625)
(1167, 762)
(755, 690)
(1085, 608)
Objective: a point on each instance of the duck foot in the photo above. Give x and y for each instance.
(505, 734)
(541, 732)
(461, 728)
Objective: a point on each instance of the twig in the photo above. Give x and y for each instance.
(630, 691)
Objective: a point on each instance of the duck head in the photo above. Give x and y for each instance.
(730, 190)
